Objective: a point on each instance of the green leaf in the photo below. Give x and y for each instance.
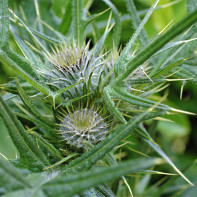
(73, 184)
(30, 106)
(49, 147)
(36, 180)
(49, 38)
(26, 50)
(143, 37)
(157, 44)
(4, 24)
(32, 157)
(117, 27)
(174, 44)
(110, 104)
(15, 62)
(78, 27)
(162, 154)
(104, 190)
(184, 73)
(136, 100)
(120, 64)
(167, 68)
(23, 62)
(159, 151)
(49, 131)
(30, 32)
(11, 87)
(70, 156)
(11, 178)
(94, 17)
(67, 18)
(100, 44)
(125, 17)
(61, 91)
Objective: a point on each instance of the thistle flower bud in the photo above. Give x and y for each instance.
(70, 65)
(83, 127)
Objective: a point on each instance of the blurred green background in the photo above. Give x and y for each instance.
(177, 138)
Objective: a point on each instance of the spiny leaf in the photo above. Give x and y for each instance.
(100, 44)
(117, 27)
(49, 38)
(49, 131)
(11, 178)
(104, 190)
(32, 156)
(143, 37)
(67, 18)
(94, 17)
(167, 68)
(120, 64)
(76, 183)
(14, 61)
(26, 50)
(23, 62)
(4, 24)
(183, 73)
(61, 91)
(62, 161)
(49, 147)
(170, 182)
(136, 100)
(110, 104)
(30, 32)
(157, 43)
(78, 27)
(30, 106)
(174, 44)
(162, 154)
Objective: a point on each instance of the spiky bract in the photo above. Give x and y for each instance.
(70, 65)
(83, 127)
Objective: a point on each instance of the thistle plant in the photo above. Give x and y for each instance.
(77, 101)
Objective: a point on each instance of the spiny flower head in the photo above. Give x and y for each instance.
(82, 127)
(70, 65)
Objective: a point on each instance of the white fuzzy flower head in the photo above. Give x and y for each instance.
(83, 127)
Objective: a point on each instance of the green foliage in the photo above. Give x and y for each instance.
(58, 74)
(30, 154)
(4, 25)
